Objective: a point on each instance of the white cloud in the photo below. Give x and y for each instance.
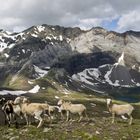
(129, 21)
(89, 23)
(15, 14)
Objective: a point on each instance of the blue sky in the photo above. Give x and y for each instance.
(110, 25)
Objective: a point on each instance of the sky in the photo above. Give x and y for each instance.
(116, 15)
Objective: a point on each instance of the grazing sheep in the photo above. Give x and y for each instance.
(31, 109)
(120, 110)
(72, 108)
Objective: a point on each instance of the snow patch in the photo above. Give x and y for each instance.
(107, 78)
(40, 72)
(40, 28)
(120, 60)
(34, 35)
(52, 43)
(61, 38)
(35, 89)
(138, 84)
(6, 55)
(56, 97)
(66, 91)
(68, 40)
(23, 50)
(48, 38)
(94, 72)
(6, 92)
(81, 78)
(30, 82)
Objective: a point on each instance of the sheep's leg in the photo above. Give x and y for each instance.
(86, 115)
(26, 118)
(62, 116)
(81, 116)
(38, 117)
(71, 118)
(50, 117)
(67, 116)
(113, 117)
(29, 120)
(131, 118)
(8, 118)
(5, 116)
(15, 120)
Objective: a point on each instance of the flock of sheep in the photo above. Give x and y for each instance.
(22, 107)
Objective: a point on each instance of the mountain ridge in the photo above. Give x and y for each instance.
(68, 51)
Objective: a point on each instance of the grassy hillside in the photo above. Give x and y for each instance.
(99, 126)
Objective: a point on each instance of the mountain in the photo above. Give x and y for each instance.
(93, 60)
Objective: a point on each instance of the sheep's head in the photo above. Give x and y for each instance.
(19, 100)
(2, 101)
(10, 102)
(25, 100)
(109, 101)
(60, 102)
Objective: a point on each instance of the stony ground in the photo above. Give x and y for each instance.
(98, 127)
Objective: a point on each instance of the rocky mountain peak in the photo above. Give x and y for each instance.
(95, 57)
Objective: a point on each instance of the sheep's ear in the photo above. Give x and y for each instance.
(62, 101)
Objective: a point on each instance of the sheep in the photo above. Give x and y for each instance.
(79, 109)
(31, 109)
(2, 102)
(8, 111)
(120, 110)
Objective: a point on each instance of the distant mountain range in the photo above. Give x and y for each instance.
(95, 60)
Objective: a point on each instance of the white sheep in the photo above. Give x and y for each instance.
(31, 109)
(72, 108)
(120, 110)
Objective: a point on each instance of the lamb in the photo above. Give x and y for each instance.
(79, 109)
(31, 109)
(120, 110)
